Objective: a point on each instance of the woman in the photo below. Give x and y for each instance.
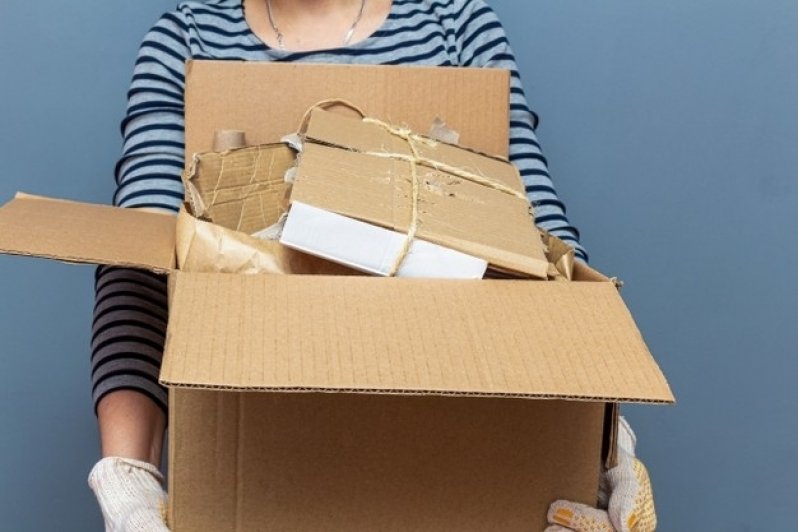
(130, 313)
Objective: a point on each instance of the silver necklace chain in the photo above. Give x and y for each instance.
(281, 37)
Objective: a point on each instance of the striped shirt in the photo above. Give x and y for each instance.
(148, 174)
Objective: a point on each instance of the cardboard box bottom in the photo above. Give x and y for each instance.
(348, 462)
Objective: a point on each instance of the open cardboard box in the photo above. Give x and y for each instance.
(359, 403)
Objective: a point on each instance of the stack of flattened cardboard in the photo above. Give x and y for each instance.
(330, 402)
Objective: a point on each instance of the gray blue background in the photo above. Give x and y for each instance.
(672, 131)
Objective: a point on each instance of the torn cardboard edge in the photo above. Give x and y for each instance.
(416, 393)
(206, 247)
(241, 188)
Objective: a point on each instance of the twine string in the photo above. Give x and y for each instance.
(413, 159)
(326, 104)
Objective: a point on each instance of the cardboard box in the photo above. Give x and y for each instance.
(358, 403)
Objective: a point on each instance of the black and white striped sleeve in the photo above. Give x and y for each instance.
(130, 313)
(148, 173)
(483, 43)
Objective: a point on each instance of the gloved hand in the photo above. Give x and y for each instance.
(131, 495)
(626, 502)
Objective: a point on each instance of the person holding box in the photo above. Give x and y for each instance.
(131, 311)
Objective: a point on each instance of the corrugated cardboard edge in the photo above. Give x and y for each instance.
(86, 233)
(407, 392)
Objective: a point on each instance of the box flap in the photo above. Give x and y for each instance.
(408, 336)
(242, 95)
(87, 233)
(356, 168)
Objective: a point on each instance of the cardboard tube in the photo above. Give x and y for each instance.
(228, 139)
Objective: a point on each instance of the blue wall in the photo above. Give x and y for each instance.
(671, 129)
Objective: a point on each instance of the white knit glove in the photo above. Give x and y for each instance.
(626, 502)
(130, 494)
